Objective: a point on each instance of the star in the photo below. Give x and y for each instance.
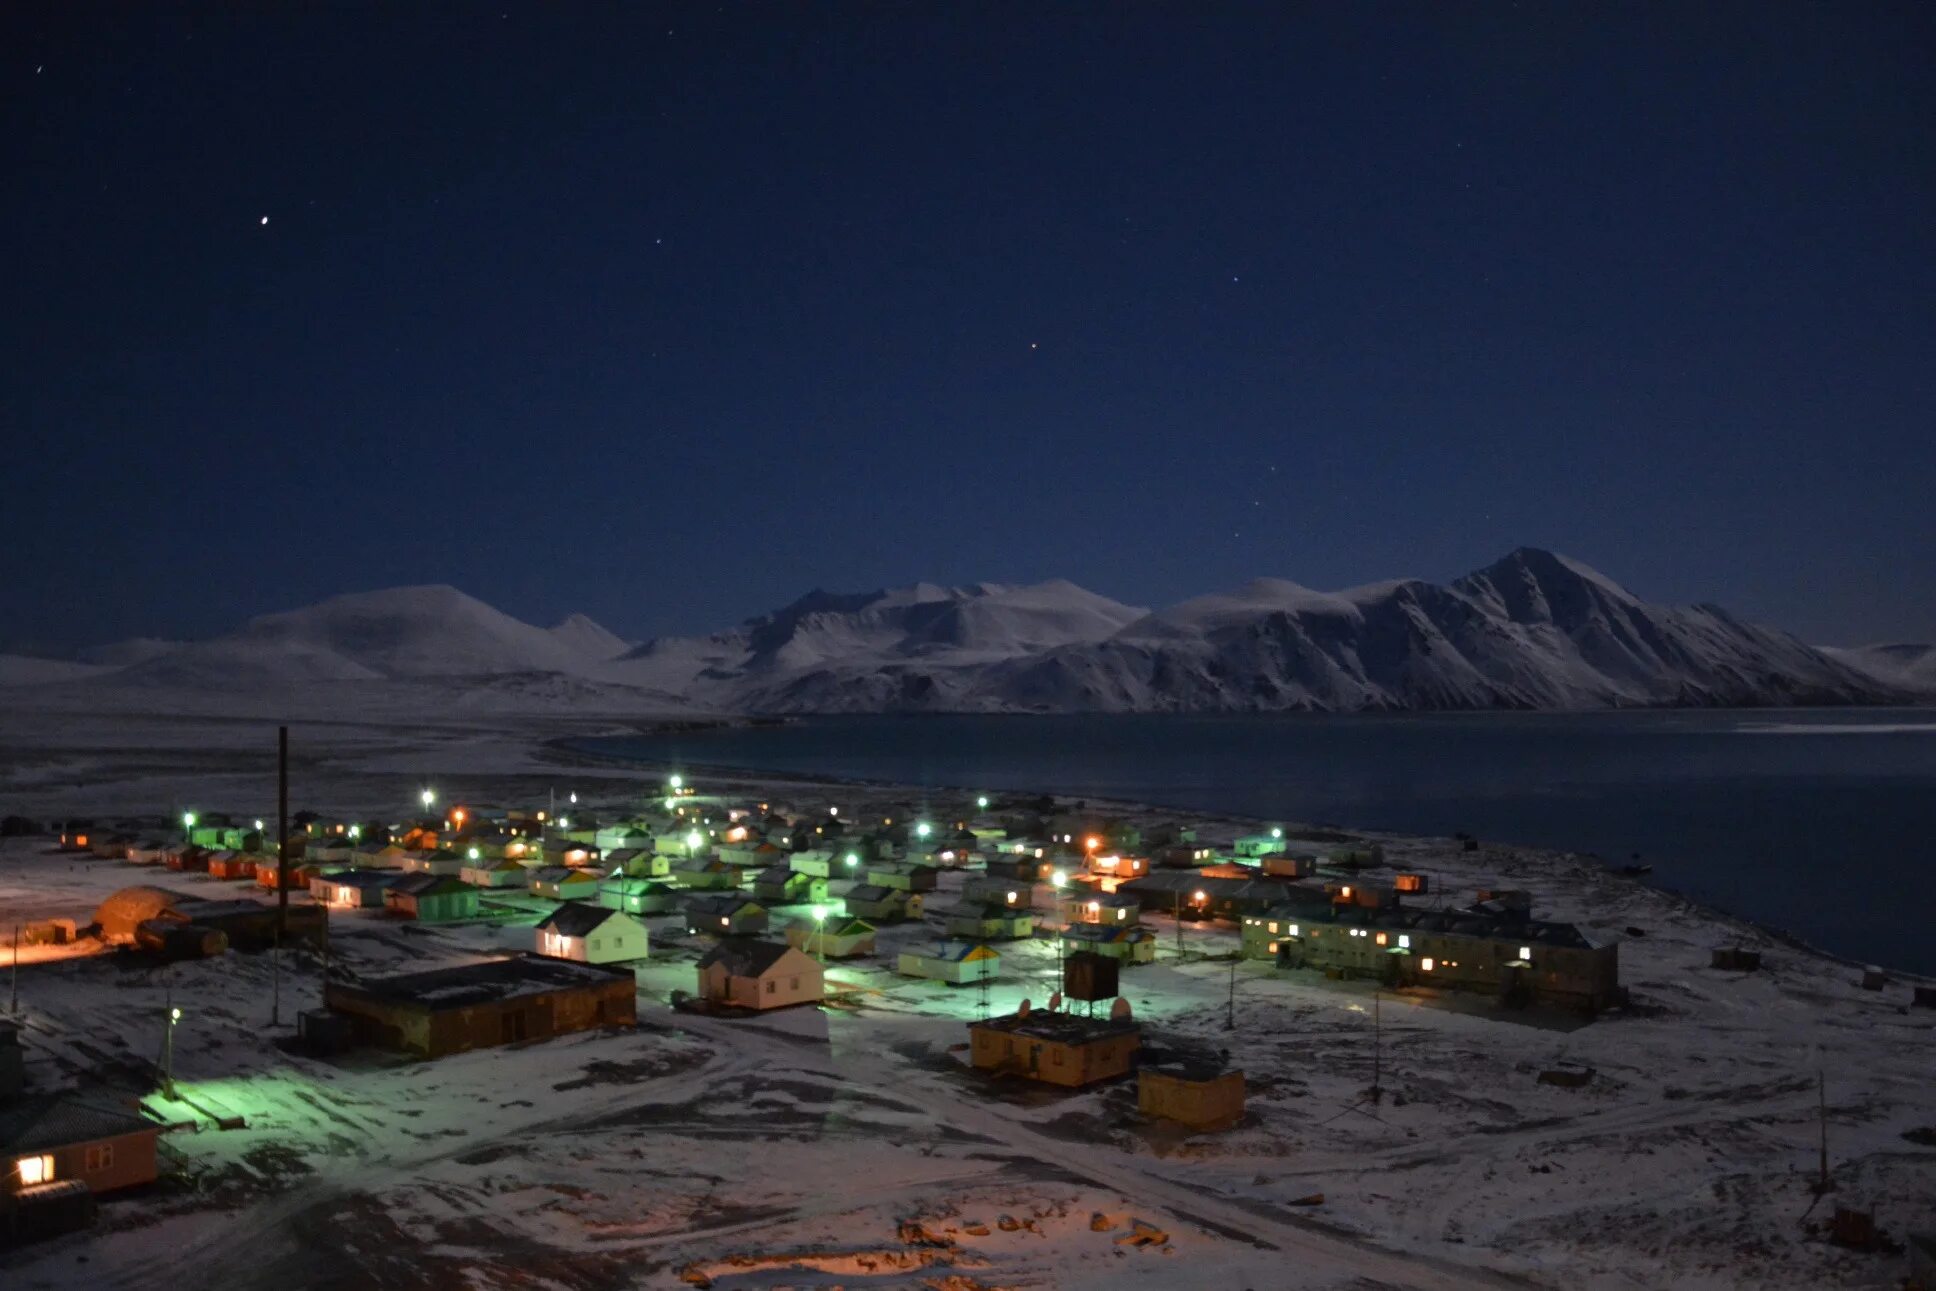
(1032, 345)
(265, 219)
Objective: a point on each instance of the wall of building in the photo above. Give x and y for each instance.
(104, 1165)
(1205, 1104)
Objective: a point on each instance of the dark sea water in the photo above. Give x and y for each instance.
(1821, 823)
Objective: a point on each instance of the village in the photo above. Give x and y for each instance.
(1116, 1026)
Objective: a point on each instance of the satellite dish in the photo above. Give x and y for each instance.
(1055, 1001)
(1022, 1009)
(1119, 1011)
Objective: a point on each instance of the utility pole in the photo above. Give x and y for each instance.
(1230, 1005)
(275, 982)
(282, 835)
(1377, 1049)
(1179, 923)
(14, 1008)
(1821, 1101)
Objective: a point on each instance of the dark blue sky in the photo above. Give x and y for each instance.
(669, 314)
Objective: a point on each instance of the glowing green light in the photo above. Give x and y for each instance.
(676, 781)
(982, 802)
(694, 839)
(1276, 832)
(475, 853)
(258, 826)
(1059, 879)
(852, 860)
(922, 829)
(356, 831)
(188, 819)
(820, 914)
(429, 796)
(174, 1015)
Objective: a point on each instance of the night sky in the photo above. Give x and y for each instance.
(671, 314)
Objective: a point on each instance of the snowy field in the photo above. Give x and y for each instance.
(851, 1146)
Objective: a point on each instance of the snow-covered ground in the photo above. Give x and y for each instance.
(792, 1150)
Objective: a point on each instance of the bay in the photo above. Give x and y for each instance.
(1819, 822)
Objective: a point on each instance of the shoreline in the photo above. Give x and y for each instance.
(1611, 872)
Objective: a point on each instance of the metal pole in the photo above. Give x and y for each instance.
(275, 980)
(14, 1008)
(282, 835)
(1230, 1005)
(1377, 1047)
(168, 1045)
(1179, 923)
(1821, 1097)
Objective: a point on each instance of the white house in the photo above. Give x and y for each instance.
(591, 934)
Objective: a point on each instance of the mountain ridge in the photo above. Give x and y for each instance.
(1532, 630)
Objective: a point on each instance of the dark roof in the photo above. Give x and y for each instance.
(871, 892)
(985, 910)
(482, 983)
(778, 874)
(745, 956)
(1222, 889)
(364, 879)
(41, 1121)
(1065, 1028)
(557, 873)
(422, 885)
(717, 902)
(576, 918)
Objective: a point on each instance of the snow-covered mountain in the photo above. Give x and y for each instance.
(1902, 663)
(1535, 630)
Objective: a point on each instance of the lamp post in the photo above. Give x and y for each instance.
(1059, 880)
(188, 826)
(981, 803)
(820, 931)
(168, 1052)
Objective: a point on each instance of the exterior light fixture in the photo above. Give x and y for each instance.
(676, 781)
(1276, 832)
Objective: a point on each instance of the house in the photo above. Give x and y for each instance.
(1201, 1095)
(778, 885)
(1031, 866)
(1508, 955)
(1199, 896)
(47, 1140)
(564, 882)
(839, 937)
(751, 974)
(232, 865)
(431, 898)
(821, 862)
(352, 889)
(1253, 846)
(1056, 1048)
(502, 872)
(1117, 865)
(591, 934)
(1132, 945)
(147, 852)
(623, 837)
(637, 863)
(724, 914)
(189, 859)
(681, 843)
(987, 922)
(951, 961)
(1289, 865)
(990, 889)
(497, 1001)
(637, 896)
(441, 861)
(568, 852)
(1108, 909)
(882, 905)
(1185, 855)
(902, 877)
(332, 853)
(1412, 883)
(705, 874)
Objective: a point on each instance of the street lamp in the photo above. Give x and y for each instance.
(852, 860)
(428, 796)
(188, 822)
(676, 781)
(820, 930)
(922, 829)
(982, 802)
(693, 842)
(1276, 832)
(168, 1054)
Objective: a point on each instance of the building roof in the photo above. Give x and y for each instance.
(1187, 882)
(484, 982)
(576, 918)
(718, 903)
(986, 910)
(42, 1121)
(955, 952)
(871, 892)
(779, 874)
(423, 885)
(558, 873)
(1106, 933)
(1063, 1028)
(746, 956)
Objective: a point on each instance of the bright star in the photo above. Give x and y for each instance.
(265, 219)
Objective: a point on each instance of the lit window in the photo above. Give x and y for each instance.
(1291, 928)
(724, 921)
(1381, 938)
(1273, 926)
(1273, 948)
(1346, 892)
(1122, 914)
(1525, 952)
(35, 1170)
(1011, 898)
(1426, 963)
(1404, 941)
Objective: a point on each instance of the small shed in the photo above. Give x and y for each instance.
(493, 1002)
(951, 961)
(1132, 945)
(503, 872)
(1056, 1048)
(637, 863)
(353, 889)
(778, 885)
(49, 1139)
(902, 876)
(1203, 1096)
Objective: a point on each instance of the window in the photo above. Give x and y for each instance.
(772, 987)
(1525, 952)
(1426, 963)
(99, 1157)
(793, 984)
(1273, 927)
(1404, 941)
(1290, 929)
(33, 1170)
(1381, 938)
